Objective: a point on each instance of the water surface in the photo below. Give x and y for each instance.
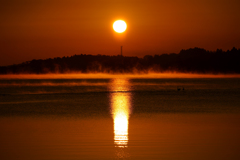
(119, 118)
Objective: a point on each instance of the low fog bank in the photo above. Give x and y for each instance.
(193, 60)
(111, 76)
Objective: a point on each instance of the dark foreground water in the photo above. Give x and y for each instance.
(119, 119)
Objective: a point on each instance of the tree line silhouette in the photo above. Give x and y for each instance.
(193, 60)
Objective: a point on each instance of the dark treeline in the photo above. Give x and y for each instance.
(193, 60)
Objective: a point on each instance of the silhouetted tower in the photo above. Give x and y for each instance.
(121, 50)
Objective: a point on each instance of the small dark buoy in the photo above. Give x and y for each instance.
(180, 88)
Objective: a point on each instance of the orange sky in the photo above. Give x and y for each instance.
(40, 29)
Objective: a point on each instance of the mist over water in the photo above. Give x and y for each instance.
(148, 75)
(120, 118)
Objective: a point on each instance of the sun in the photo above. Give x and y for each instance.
(119, 26)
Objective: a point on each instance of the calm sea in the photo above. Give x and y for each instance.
(68, 119)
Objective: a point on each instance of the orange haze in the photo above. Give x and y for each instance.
(43, 29)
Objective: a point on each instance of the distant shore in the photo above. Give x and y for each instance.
(193, 60)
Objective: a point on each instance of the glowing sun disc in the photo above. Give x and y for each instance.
(119, 26)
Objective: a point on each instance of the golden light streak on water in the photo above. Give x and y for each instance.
(121, 109)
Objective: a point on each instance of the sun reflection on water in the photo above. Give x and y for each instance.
(121, 109)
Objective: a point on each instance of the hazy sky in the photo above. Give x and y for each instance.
(40, 29)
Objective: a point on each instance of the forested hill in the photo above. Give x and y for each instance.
(193, 60)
